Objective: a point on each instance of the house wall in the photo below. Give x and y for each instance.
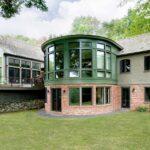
(94, 109)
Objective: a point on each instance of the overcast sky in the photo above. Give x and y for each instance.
(58, 20)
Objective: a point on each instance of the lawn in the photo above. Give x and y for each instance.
(29, 131)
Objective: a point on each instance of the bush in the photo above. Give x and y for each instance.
(142, 109)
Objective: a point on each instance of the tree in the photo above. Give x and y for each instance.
(9, 8)
(85, 25)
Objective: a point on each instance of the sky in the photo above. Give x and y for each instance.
(59, 18)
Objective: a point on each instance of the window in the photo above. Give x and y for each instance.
(26, 76)
(86, 58)
(147, 63)
(74, 59)
(103, 95)
(35, 73)
(74, 94)
(14, 62)
(147, 94)
(99, 45)
(108, 61)
(86, 44)
(35, 65)
(80, 96)
(73, 45)
(108, 48)
(25, 64)
(14, 75)
(100, 59)
(125, 65)
(51, 62)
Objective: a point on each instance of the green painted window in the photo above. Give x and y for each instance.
(74, 59)
(59, 60)
(14, 62)
(108, 58)
(100, 46)
(86, 58)
(80, 96)
(108, 48)
(147, 94)
(51, 62)
(74, 73)
(86, 44)
(73, 45)
(74, 94)
(102, 95)
(100, 59)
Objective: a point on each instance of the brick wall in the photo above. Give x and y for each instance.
(115, 104)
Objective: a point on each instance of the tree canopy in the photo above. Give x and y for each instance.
(9, 8)
(137, 21)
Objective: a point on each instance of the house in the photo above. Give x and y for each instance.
(20, 62)
(86, 74)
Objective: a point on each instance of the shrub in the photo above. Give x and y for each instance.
(142, 109)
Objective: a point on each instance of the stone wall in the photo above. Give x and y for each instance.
(17, 100)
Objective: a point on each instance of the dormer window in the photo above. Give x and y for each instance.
(125, 65)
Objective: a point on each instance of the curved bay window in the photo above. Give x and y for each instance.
(79, 59)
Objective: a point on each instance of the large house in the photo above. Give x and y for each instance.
(20, 62)
(87, 74)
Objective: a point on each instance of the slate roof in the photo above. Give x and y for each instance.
(137, 44)
(20, 48)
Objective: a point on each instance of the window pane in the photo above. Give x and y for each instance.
(100, 74)
(125, 65)
(99, 45)
(147, 94)
(108, 75)
(25, 64)
(108, 61)
(74, 59)
(74, 45)
(74, 98)
(35, 73)
(59, 74)
(100, 59)
(74, 74)
(86, 44)
(14, 75)
(108, 48)
(107, 95)
(59, 60)
(86, 96)
(26, 75)
(147, 63)
(100, 95)
(51, 75)
(51, 62)
(87, 58)
(86, 73)
(35, 65)
(14, 62)
(59, 47)
(51, 49)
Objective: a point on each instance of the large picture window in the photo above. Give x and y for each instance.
(147, 63)
(125, 65)
(26, 76)
(147, 94)
(14, 75)
(102, 95)
(80, 96)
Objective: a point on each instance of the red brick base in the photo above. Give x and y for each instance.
(115, 104)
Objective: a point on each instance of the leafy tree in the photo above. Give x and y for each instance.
(85, 25)
(9, 8)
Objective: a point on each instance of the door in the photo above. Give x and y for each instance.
(125, 97)
(56, 99)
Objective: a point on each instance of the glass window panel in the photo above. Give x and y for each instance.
(74, 59)
(86, 44)
(108, 75)
(51, 62)
(59, 60)
(35, 73)
(100, 59)
(59, 47)
(51, 49)
(26, 76)
(125, 65)
(99, 45)
(74, 74)
(86, 73)
(74, 98)
(14, 62)
(86, 96)
(14, 75)
(59, 74)
(147, 94)
(51, 75)
(86, 58)
(100, 74)
(107, 95)
(147, 63)
(35, 65)
(108, 61)
(108, 48)
(17, 62)
(25, 64)
(74, 45)
(100, 95)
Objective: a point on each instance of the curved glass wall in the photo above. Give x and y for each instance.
(80, 58)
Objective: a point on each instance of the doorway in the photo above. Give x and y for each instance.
(125, 97)
(56, 99)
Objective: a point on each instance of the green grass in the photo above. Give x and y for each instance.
(28, 131)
